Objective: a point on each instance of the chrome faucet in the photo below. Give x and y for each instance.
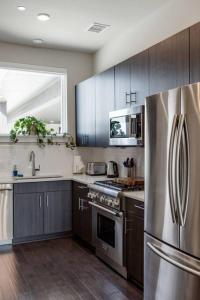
(32, 160)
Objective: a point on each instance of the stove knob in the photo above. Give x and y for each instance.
(109, 201)
(102, 199)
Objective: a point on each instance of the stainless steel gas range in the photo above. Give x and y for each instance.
(108, 222)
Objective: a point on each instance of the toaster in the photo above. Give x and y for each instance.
(96, 168)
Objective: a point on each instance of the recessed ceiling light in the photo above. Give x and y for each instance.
(21, 8)
(38, 41)
(43, 17)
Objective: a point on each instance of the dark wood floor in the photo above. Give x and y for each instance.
(59, 269)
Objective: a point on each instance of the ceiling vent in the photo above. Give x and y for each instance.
(97, 27)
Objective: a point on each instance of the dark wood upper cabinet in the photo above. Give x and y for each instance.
(85, 113)
(195, 53)
(122, 84)
(139, 78)
(169, 63)
(105, 100)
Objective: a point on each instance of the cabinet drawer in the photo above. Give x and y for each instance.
(80, 189)
(39, 187)
(133, 206)
(60, 185)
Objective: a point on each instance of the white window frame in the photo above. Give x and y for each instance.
(44, 69)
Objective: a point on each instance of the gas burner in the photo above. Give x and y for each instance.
(120, 186)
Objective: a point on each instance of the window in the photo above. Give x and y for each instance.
(32, 93)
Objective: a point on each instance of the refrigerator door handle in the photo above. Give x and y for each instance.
(177, 169)
(186, 163)
(176, 261)
(170, 168)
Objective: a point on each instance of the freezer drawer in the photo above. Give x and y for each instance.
(169, 274)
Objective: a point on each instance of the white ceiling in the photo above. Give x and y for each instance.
(69, 19)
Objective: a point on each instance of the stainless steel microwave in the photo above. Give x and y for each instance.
(127, 126)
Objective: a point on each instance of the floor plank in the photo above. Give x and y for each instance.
(57, 270)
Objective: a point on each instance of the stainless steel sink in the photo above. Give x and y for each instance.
(38, 177)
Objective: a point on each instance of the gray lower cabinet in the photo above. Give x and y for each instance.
(28, 215)
(57, 212)
(44, 213)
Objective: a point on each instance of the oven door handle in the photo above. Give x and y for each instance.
(116, 214)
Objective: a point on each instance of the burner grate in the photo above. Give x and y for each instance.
(120, 186)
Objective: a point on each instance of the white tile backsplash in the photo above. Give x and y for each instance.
(52, 159)
(117, 154)
(59, 159)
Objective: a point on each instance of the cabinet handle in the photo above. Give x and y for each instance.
(47, 201)
(82, 187)
(40, 198)
(125, 229)
(133, 101)
(79, 203)
(83, 139)
(140, 207)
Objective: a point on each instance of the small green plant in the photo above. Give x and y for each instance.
(31, 126)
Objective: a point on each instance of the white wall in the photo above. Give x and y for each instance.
(175, 16)
(53, 159)
(79, 66)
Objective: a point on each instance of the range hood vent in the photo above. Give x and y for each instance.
(97, 27)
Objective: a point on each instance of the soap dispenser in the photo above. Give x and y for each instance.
(15, 171)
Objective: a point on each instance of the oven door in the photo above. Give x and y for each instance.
(108, 235)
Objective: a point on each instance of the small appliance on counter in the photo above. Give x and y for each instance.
(96, 168)
(130, 165)
(78, 165)
(112, 169)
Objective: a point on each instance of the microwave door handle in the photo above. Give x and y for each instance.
(133, 124)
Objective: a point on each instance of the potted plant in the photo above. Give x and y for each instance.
(29, 125)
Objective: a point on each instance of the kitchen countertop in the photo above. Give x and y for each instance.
(82, 178)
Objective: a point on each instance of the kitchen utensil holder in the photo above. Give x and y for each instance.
(131, 172)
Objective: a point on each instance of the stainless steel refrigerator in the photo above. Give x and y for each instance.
(172, 195)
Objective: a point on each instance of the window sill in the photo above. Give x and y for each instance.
(5, 139)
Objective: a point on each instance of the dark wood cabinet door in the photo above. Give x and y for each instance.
(86, 215)
(135, 240)
(194, 53)
(135, 248)
(104, 104)
(28, 215)
(57, 212)
(139, 78)
(122, 84)
(85, 113)
(82, 212)
(169, 63)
